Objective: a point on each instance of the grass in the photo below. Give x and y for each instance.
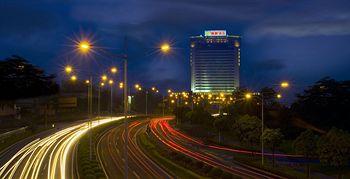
(7, 142)
(176, 170)
(91, 168)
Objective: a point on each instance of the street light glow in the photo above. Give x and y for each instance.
(68, 69)
(284, 84)
(121, 85)
(114, 70)
(165, 47)
(110, 82)
(279, 96)
(84, 46)
(137, 86)
(104, 77)
(87, 81)
(102, 84)
(248, 96)
(73, 78)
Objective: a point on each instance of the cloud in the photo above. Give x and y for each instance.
(17, 20)
(314, 18)
(270, 65)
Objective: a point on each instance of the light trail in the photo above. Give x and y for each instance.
(196, 149)
(49, 157)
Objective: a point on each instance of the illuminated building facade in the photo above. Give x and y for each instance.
(215, 61)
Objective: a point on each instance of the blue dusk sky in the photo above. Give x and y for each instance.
(297, 40)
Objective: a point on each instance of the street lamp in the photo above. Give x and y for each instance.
(84, 46)
(284, 84)
(165, 47)
(73, 78)
(99, 99)
(248, 95)
(104, 77)
(261, 97)
(114, 70)
(68, 69)
(110, 82)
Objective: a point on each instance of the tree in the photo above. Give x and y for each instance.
(306, 145)
(20, 79)
(222, 123)
(180, 113)
(272, 138)
(248, 129)
(325, 104)
(334, 148)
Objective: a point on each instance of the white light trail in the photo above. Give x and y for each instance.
(49, 157)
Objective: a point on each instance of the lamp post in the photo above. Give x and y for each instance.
(261, 97)
(110, 82)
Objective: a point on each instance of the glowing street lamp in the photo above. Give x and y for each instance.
(279, 96)
(165, 48)
(68, 69)
(110, 82)
(102, 84)
(121, 85)
(87, 81)
(114, 70)
(73, 78)
(248, 96)
(137, 86)
(284, 84)
(84, 46)
(104, 77)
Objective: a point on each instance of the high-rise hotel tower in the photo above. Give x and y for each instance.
(215, 60)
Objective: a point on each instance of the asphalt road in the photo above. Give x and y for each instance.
(110, 152)
(211, 155)
(52, 156)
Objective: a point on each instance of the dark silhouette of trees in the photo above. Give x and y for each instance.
(272, 138)
(334, 148)
(20, 79)
(306, 144)
(325, 104)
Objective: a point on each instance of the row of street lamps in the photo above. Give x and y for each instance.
(85, 47)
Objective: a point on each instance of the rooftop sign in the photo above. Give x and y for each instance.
(215, 33)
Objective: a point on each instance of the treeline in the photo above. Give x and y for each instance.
(325, 140)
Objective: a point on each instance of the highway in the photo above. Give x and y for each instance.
(110, 152)
(212, 155)
(49, 157)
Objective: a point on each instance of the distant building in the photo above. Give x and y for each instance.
(215, 61)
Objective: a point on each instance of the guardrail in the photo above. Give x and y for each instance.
(10, 133)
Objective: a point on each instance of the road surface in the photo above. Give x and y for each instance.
(110, 152)
(211, 155)
(49, 157)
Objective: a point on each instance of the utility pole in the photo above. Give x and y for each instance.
(146, 103)
(126, 109)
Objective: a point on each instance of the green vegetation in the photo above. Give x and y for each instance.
(320, 107)
(179, 164)
(90, 168)
(154, 152)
